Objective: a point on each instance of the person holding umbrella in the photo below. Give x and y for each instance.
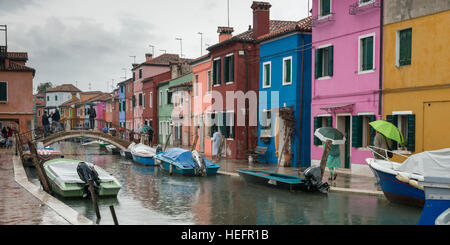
(386, 132)
(331, 156)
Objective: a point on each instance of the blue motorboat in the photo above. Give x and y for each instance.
(185, 162)
(143, 154)
(311, 181)
(400, 181)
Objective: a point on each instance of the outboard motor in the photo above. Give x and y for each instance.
(87, 173)
(313, 176)
(158, 148)
(201, 169)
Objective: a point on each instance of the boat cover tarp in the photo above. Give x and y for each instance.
(184, 158)
(66, 172)
(428, 163)
(143, 150)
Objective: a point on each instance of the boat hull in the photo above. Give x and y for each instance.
(269, 179)
(148, 161)
(397, 191)
(127, 154)
(185, 171)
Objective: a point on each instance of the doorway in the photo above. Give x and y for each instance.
(343, 125)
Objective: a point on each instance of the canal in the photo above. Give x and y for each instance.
(152, 197)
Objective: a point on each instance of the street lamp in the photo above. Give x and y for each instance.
(181, 46)
(201, 43)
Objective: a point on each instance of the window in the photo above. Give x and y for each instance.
(3, 91)
(404, 47)
(287, 71)
(121, 89)
(221, 121)
(216, 72)
(266, 123)
(323, 66)
(208, 82)
(48, 98)
(324, 8)
(168, 97)
(134, 78)
(140, 73)
(160, 97)
(364, 2)
(140, 99)
(406, 122)
(321, 121)
(266, 74)
(143, 100)
(56, 97)
(362, 133)
(123, 106)
(366, 53)
(151, 99)
(228, 69)
(196, 86)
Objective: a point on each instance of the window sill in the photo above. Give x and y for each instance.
(229, 83)
(287, 84)
(366, 72)
(324, 16)
(216, 85)
(266, 86)
(324, 78)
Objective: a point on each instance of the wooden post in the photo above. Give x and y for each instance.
(219, 152)
(195, 140)
(325, 154)
(39, 169)
(286, 141)
(167, 141)
(94, 199)
(113, 213)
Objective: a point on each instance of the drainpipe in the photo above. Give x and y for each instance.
(301, 103)
(246, 90)
(380, 85)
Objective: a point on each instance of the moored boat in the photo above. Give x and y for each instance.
(95, 143)
(44, 155)
(400, 182)
(127, 153)
(66, 182)
(143, 154)
(112, 149)
(311, 181)
(437, 201)
(185, 162)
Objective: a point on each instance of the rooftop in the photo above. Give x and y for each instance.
(64, 88)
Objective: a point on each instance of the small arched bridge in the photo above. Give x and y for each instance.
(69, 129)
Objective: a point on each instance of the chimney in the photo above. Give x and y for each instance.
(261, 18)
(224, 33)
(148, 57)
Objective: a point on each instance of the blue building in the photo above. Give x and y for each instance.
(122, 103)
(285, 94)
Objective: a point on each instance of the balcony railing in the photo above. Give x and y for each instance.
(319, 20)
(358, 7)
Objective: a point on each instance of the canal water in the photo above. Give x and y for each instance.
(150, 196)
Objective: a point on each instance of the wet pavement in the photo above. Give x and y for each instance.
(151, 196)
(17, 205)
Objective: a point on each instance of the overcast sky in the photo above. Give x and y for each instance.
(91, 41)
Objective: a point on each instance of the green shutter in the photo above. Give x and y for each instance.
(411, 141)
(231, 78)
(325, 7)
(405, 47)
(330, 61)
(372, 130)
(288, 70)
(357, 131)
(317, 124)
(140, 99)
(267, 74)
(394, 120)
(367, 49)
(330, 121)
(3, 91)
(318, 63)
(123, 106)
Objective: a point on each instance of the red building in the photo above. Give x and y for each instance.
(150, 90)
(235, 69)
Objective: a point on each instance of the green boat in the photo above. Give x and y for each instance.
(64, 179)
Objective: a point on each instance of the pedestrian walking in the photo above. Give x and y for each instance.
(55, 121)
(150, 135)
(46, 124)
(333, 160)
(217, 136)
(92, 116)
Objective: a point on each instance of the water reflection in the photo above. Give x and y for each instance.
(151, 196)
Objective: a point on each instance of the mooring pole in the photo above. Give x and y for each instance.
(39, 168)
(326, 152)
(167, 141)
(113, 213)
(94, 199)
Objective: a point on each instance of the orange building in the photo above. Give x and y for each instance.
(16, 90)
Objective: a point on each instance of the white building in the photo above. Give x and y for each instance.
(54, 97)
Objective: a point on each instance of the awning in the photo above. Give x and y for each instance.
(345, 107)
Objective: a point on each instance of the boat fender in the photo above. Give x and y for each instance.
(402, 178)
(415, 183)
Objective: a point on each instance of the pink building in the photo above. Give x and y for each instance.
(346, 76)
(149, 68)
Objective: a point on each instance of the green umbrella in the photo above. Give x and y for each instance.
(388, 129)
(329, 133)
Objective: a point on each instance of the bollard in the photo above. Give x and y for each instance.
(113, 213)
(94, 199)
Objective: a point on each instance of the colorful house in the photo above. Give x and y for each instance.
(285, 94)
(181, 113)
(16, 90)
(165, 108)
(149, 68)
(346, 79)
(58, 95)
(201, 101)
(122, 103)
(235, 82)
(150, 91)
(416, 92)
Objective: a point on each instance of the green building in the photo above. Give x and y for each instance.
(165, 107)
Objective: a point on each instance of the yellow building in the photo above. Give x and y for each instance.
(416, 76)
